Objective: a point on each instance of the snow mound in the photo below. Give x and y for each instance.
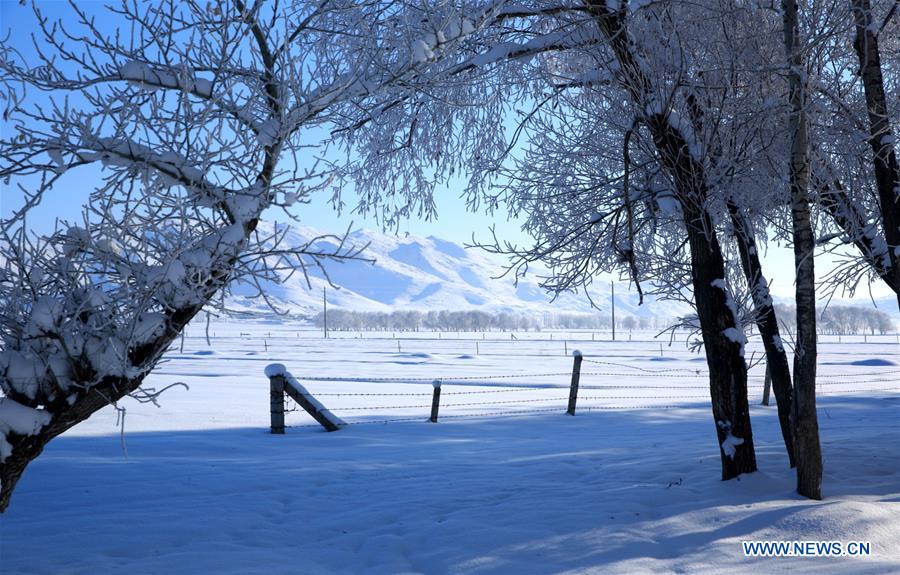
(873, 362)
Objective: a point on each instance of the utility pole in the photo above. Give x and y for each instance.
(613, 300)
(325, 312)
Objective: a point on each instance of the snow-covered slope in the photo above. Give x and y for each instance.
(428, 274)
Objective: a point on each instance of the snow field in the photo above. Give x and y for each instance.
(206, 489)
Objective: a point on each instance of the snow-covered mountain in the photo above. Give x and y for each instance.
(412, 272)
(428, 274)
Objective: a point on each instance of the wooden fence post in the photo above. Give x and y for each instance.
(435, 400)
(281, 386)
(276, 402)
(576, 376)
(767, 386)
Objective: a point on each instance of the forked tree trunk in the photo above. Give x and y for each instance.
(727, 368)
(767, 322)
(805, 420)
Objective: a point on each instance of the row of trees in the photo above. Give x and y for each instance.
(833, 320)
(843, 320)
(667, 141)
(470, 320)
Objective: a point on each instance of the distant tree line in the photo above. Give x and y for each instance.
(475, 320)
(842, 320)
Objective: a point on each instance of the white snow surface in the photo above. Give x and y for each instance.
(629, 485)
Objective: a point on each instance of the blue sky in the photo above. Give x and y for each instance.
(454, 222)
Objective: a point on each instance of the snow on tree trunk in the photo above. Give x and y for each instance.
(722, 336)
(805, 423)
(852, 219)
(881, 138)
(723, 342)
(767, 322)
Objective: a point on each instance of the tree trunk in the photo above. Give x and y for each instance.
(26, 448)
(724, 354)
(767, 322)
(805, 421)
(887, 173)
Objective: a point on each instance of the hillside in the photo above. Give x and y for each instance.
(428, 274)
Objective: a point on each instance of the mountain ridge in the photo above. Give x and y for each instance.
(427, 274)
(434, 274)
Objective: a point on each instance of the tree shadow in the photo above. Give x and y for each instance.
(616, 491)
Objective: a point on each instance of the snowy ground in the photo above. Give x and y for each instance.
(509, 485)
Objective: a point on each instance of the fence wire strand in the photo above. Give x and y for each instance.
(847, 380)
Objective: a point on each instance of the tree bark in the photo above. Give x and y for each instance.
(111, 389)
(805, 421)
(724, 355)
(887, 172)
(767, 322)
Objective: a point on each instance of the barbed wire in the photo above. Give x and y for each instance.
(443, 405)
(517, 413)
(561, 399)
(430, 379)
(497, 414)
(443, 393)
(823, 380)
(831, 392)
(828, 378)
(554, 387)
(371, 408)
(625, 365)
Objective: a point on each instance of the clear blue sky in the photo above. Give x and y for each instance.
(454, 223)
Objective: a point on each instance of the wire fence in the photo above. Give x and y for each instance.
(649, 395)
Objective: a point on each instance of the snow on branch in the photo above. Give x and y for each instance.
(152, 77)
(19, 419)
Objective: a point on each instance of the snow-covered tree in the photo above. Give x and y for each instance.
(607, 161)
(854, 167)
(195, 116)
(658, 139)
